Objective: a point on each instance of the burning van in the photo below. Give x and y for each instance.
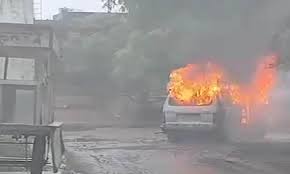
(200, 97)
(194, 100)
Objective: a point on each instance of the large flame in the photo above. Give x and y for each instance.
(200, 85)
(265, 79)
(258, 91)
(195, 85)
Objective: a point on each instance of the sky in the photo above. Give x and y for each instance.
(50, 7)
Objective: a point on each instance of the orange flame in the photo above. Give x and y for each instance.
(258, 92)
(193, 84)
(200, 85)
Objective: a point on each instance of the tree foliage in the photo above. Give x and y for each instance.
(111, 5)
(168, 34)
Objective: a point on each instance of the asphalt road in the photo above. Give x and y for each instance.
(147, 151)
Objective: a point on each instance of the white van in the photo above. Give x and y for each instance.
(180, 118)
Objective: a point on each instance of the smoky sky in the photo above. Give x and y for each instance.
(50, 7)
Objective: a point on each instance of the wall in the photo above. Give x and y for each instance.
(24, 35)
(16, 11)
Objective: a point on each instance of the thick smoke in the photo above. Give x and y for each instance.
(238, 44)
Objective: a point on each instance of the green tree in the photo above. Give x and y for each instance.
(111, 5)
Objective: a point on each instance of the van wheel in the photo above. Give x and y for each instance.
(257, 132)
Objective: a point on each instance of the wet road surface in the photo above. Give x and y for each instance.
(146, 151)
